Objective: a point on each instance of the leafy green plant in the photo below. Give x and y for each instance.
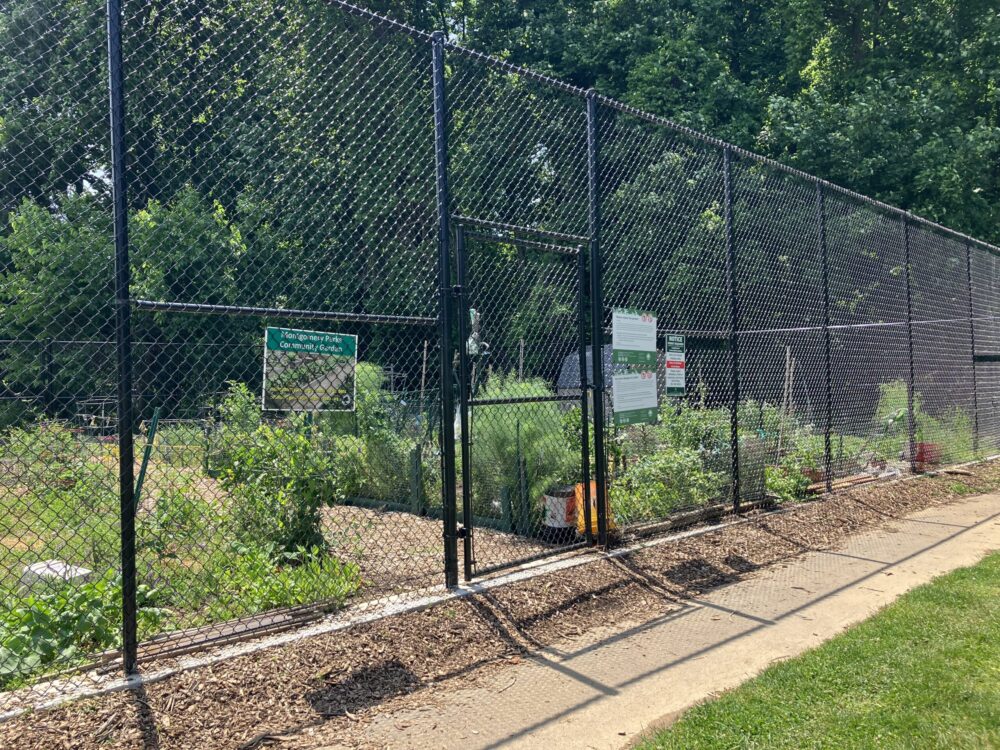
(786, 482)
(265, 576)
(662, 483)
(279, 481)
(531, 432)
(64, 624)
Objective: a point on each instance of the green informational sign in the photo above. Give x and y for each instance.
(634, 398)
(675, 365)
(309, 370)
(633, 338)
(315, 342)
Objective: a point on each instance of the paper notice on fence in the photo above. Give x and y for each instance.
(633, 338)
(634, 396)
(675, 356)
(309, 370)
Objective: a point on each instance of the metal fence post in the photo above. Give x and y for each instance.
(825, 258)
(972, 345)
(463, 397)
(596, 318)
(912, 427)
(448, 491)
(581, 272)
(123, 337)
(734, 320)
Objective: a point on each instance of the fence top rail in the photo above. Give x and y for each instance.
(521, 242)
(279, 312)
(657, 120)
(514, 229)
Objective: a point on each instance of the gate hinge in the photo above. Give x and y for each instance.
(463, 532)
(457, 290)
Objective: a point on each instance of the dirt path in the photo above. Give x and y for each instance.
(606, 691)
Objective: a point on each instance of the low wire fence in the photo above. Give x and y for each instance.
(322, 309)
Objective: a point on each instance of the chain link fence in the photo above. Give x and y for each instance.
(323, 313)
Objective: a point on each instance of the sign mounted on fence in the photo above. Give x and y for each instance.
(675, 365)
(635, 399)
(309, 370)
(633, 338)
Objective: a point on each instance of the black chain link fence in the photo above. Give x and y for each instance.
(365, 337)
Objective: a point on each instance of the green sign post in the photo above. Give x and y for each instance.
(309, 370)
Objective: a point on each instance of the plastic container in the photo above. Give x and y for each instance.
(581, 523)
(559, 521)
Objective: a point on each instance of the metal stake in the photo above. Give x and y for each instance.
(463, 397)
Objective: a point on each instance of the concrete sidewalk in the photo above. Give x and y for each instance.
(606, 691)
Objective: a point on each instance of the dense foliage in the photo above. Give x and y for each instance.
(266, 170)
(897, 100)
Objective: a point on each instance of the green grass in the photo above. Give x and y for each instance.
(924, 673)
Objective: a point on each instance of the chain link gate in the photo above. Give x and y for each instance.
(524, 463)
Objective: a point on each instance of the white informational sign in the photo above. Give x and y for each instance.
(634, 396)
(633, 338)
(675, 356)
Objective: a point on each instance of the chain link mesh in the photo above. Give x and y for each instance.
(286, 348)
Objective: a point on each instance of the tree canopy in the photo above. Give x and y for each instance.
(281, 155)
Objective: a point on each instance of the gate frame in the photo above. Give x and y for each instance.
(542, 241)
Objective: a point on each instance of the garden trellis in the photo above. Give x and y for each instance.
(315, 167)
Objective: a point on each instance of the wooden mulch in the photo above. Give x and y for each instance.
(332, 685)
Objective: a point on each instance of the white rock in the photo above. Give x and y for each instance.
(53, 571)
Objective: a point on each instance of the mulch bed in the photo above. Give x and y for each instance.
(307, 693)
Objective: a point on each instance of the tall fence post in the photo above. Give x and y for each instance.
(448, 491)
(123, 336)
(461, 297)
(734, 321)
(581, 285)
(972, 345)
(596, 318)
(911, 421)
(825, 259)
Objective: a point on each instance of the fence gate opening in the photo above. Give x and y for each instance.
(522, 422)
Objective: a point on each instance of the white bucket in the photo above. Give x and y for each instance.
(560, 508)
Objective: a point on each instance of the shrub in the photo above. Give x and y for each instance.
(64, 625)
(279, 482)
(532, 431)
(239, 416)
(662, 483)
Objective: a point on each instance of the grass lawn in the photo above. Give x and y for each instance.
(924, 673)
